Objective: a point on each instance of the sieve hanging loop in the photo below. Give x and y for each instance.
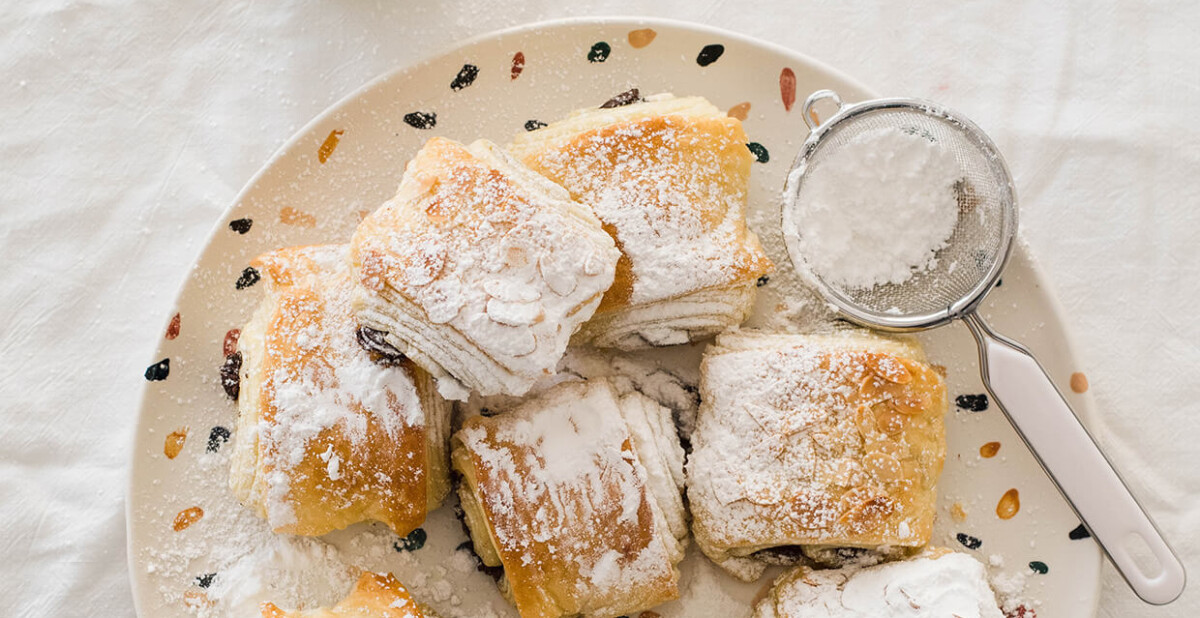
(810, 116)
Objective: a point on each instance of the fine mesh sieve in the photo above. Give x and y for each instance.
(966, 269)
(975, 254)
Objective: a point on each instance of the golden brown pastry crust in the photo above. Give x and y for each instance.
(669, 179)
(479, 269)
(844, 441)
(327, 435)
(375, 595)
(555, 491)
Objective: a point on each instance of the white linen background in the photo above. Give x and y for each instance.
(128, 127)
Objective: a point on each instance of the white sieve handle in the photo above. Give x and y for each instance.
(1070, 456)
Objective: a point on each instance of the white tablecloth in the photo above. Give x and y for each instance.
(128, 127)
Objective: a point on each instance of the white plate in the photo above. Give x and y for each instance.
(313, 190)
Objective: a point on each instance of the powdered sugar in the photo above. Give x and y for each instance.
(237, 561)
(877, 208)
(562, 485)
(345, 200)
(798, 444)
(694, 257)
(668, 177)
(669, 376)
(283, 567)
(228, 563)
(319, 382)
(479, 269)
(935, 585)
(1010, 589)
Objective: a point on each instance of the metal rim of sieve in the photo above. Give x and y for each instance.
(849, 112)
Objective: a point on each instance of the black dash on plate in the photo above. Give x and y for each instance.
(763, 280)
(968, 541)
(760, 152)
(466, 76)
(1039, 567)
(625, 98)
(248, 278)
(421, 120)
(534, 125)
(231, 378)
(414, 541)
(241, 226)
(217, 437)
(159, 371)
(999, 282)
(599, 52)
(1079, 533)
(206, 580)
(710, 54)
(972, 403)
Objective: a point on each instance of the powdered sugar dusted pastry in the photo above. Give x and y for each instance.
(668, 177)
(809, 442)
(576, 493)
(937, 584)
(479, 269)
(375, 595)
(328, 433)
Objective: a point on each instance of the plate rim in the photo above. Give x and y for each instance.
(1084, 408)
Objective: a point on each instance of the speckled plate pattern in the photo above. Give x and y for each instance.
(996, 502)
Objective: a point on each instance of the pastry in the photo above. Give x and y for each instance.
(479, 270)
(937, 584)
(329, 433)
(374, 596)
(806, 443)
(576, 494)
(673, 385)
(669, 178)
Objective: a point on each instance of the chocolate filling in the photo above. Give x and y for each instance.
(683, 417)
(625, 98)
(783, 555)
(494, 572)
(375, 342)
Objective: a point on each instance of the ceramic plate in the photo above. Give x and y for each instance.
(187, 532)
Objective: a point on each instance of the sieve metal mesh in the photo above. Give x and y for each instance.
(966, 268)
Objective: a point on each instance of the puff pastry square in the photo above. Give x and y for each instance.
(329, 434)
(376, 595)
(669, 179)
(479, 269)
(937, 584)
(814, 441)
(576, 493)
